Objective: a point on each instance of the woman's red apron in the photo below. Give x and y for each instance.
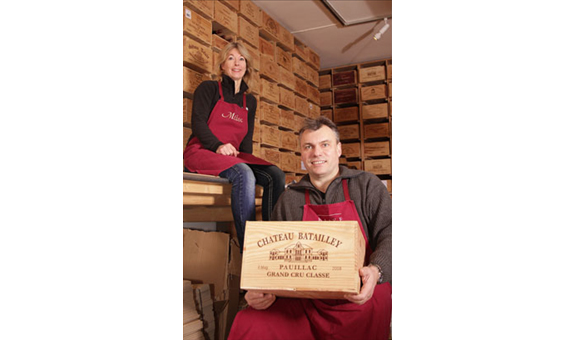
(321, 319)
(229, 123)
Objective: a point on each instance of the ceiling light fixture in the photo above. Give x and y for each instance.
(381, 31)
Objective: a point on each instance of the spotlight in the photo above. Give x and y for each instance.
(381, 31)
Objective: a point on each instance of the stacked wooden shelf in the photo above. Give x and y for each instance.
(358, 99)
(285, 84)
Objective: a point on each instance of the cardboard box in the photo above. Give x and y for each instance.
(303, 259)
(210, 257)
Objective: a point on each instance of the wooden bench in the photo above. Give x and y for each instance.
(208, 199)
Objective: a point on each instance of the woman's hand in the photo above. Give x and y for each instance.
(369, 276)
(259, 300)
(227, 150)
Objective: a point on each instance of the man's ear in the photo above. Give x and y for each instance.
(338, 149)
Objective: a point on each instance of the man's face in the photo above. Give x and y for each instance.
(320, 152)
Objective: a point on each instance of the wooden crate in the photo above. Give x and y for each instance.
(301, 105)
(269, 69)
(287, 162)
(256, 137)
(197, 56)
(233, 4)
(269, 90)
(345, 96)
(348, 132)
(347, 114)
(287, 98)
(284, 58)
(376, 149)
(299, 122)
(300, 50)
(256, 149)
(197, 25)
(205, 7)
(287, 120)
(375, 111)
(287, 78)
(314, 110)
(249, 32)
(373, 92)
(374, 73)
(313, 59)
(303, 259)
(299, 68)
(325, 81)
(269, 113)
(288, 141)
(187, 134)
(270, 136)
(268, 48)
(251, 11)
(358, 165)
(300, 86)
(312, 76)
(327, 113)
(389, 71)
(218, 43)
(378, 166)
(344, 78)
(351, 150)
(312, 94)
(285, 38)
(255, 83)
(270, 155)
(389, 90)
(192, 79)
(254, 54)
(325, 98)
(225, 16)
(376, 130)
(269, 27)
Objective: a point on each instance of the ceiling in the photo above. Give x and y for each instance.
(315, 25)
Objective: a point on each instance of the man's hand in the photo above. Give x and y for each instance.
(259, 300)
(369, 276)
(227, 150)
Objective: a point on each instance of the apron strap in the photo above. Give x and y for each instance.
(307, 197)
(221, 93)
(345, 189)
(244, 100)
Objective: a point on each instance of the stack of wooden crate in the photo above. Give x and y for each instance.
(358, 99)
(286, 79)
(193, 325)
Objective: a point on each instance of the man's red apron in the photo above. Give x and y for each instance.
(229, 123)
(321, 319)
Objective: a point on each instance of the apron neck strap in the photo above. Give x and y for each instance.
(221, 93)
(345, 189)
(306, 197)
(244, 100)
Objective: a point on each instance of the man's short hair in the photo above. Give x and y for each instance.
(316, 124)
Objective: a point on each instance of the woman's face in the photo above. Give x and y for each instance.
(235, 65)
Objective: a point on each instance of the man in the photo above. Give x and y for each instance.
(329, 190)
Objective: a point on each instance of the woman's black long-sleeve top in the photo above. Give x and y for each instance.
(205, 98)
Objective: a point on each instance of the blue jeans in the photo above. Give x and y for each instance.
(244, 178)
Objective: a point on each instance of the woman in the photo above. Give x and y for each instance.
(221, 143)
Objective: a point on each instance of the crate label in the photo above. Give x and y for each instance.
(188, 13)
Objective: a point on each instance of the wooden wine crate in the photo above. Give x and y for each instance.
(375, 149)
(312, 94)
(187, 134)
(327, 113)
(254, 54)
(312, 76)
(285, 38)
(287, 98)
(287, 78)
(198, 56)
(314, 110)
(373, 92)
(288, 140)
(269, 68)
(376, 130)
(218, 43)
(270, 136)
(300, 50)
(343, 161)
(374, 111)
(299, 67)
(313, 59)
(256, 149)
(358, 165)
(344, 78)
(269, 27)
(389, 71)
(347, 114)
(249, 32)
(345, 96)
(287, 161)
(300, 86)
(301, 105)
(351, 150)
(374, 73)
(299, 122)
(251, 11)
(267, 48)
(269, 90)
(287, 120)
(269, 113)
(270, 155)
(193, 79)
(348, 132)
(257, 131)
(225, 16)
(325, 81)
(284, 58)
(319, 260)
(233, 4)
(254, 84)
(325, 98)
(389, 90)
(197, 25)
(378, 166)
(205, 7)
